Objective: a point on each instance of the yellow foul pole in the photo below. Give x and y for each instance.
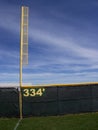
(23, 49)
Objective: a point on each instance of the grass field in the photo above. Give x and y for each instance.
(67, 122)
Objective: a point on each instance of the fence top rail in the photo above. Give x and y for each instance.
(60, 85)
(48, 85)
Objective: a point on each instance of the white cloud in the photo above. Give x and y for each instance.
(49, 78)
(63, 45)
(12, 53)
(9, 17)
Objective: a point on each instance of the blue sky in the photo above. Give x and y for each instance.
(63, 41)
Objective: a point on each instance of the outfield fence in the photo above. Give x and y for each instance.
(49, 100)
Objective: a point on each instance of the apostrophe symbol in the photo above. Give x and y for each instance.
(43, 90)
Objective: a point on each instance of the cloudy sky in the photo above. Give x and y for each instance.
(63, 41)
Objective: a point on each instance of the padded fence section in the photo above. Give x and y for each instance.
(94, 98)
(9, 102)
(75, 99)
(40, 101)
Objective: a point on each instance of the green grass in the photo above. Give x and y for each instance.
(67, 122)
(7, 123)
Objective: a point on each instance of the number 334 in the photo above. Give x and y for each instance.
(33, 92)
